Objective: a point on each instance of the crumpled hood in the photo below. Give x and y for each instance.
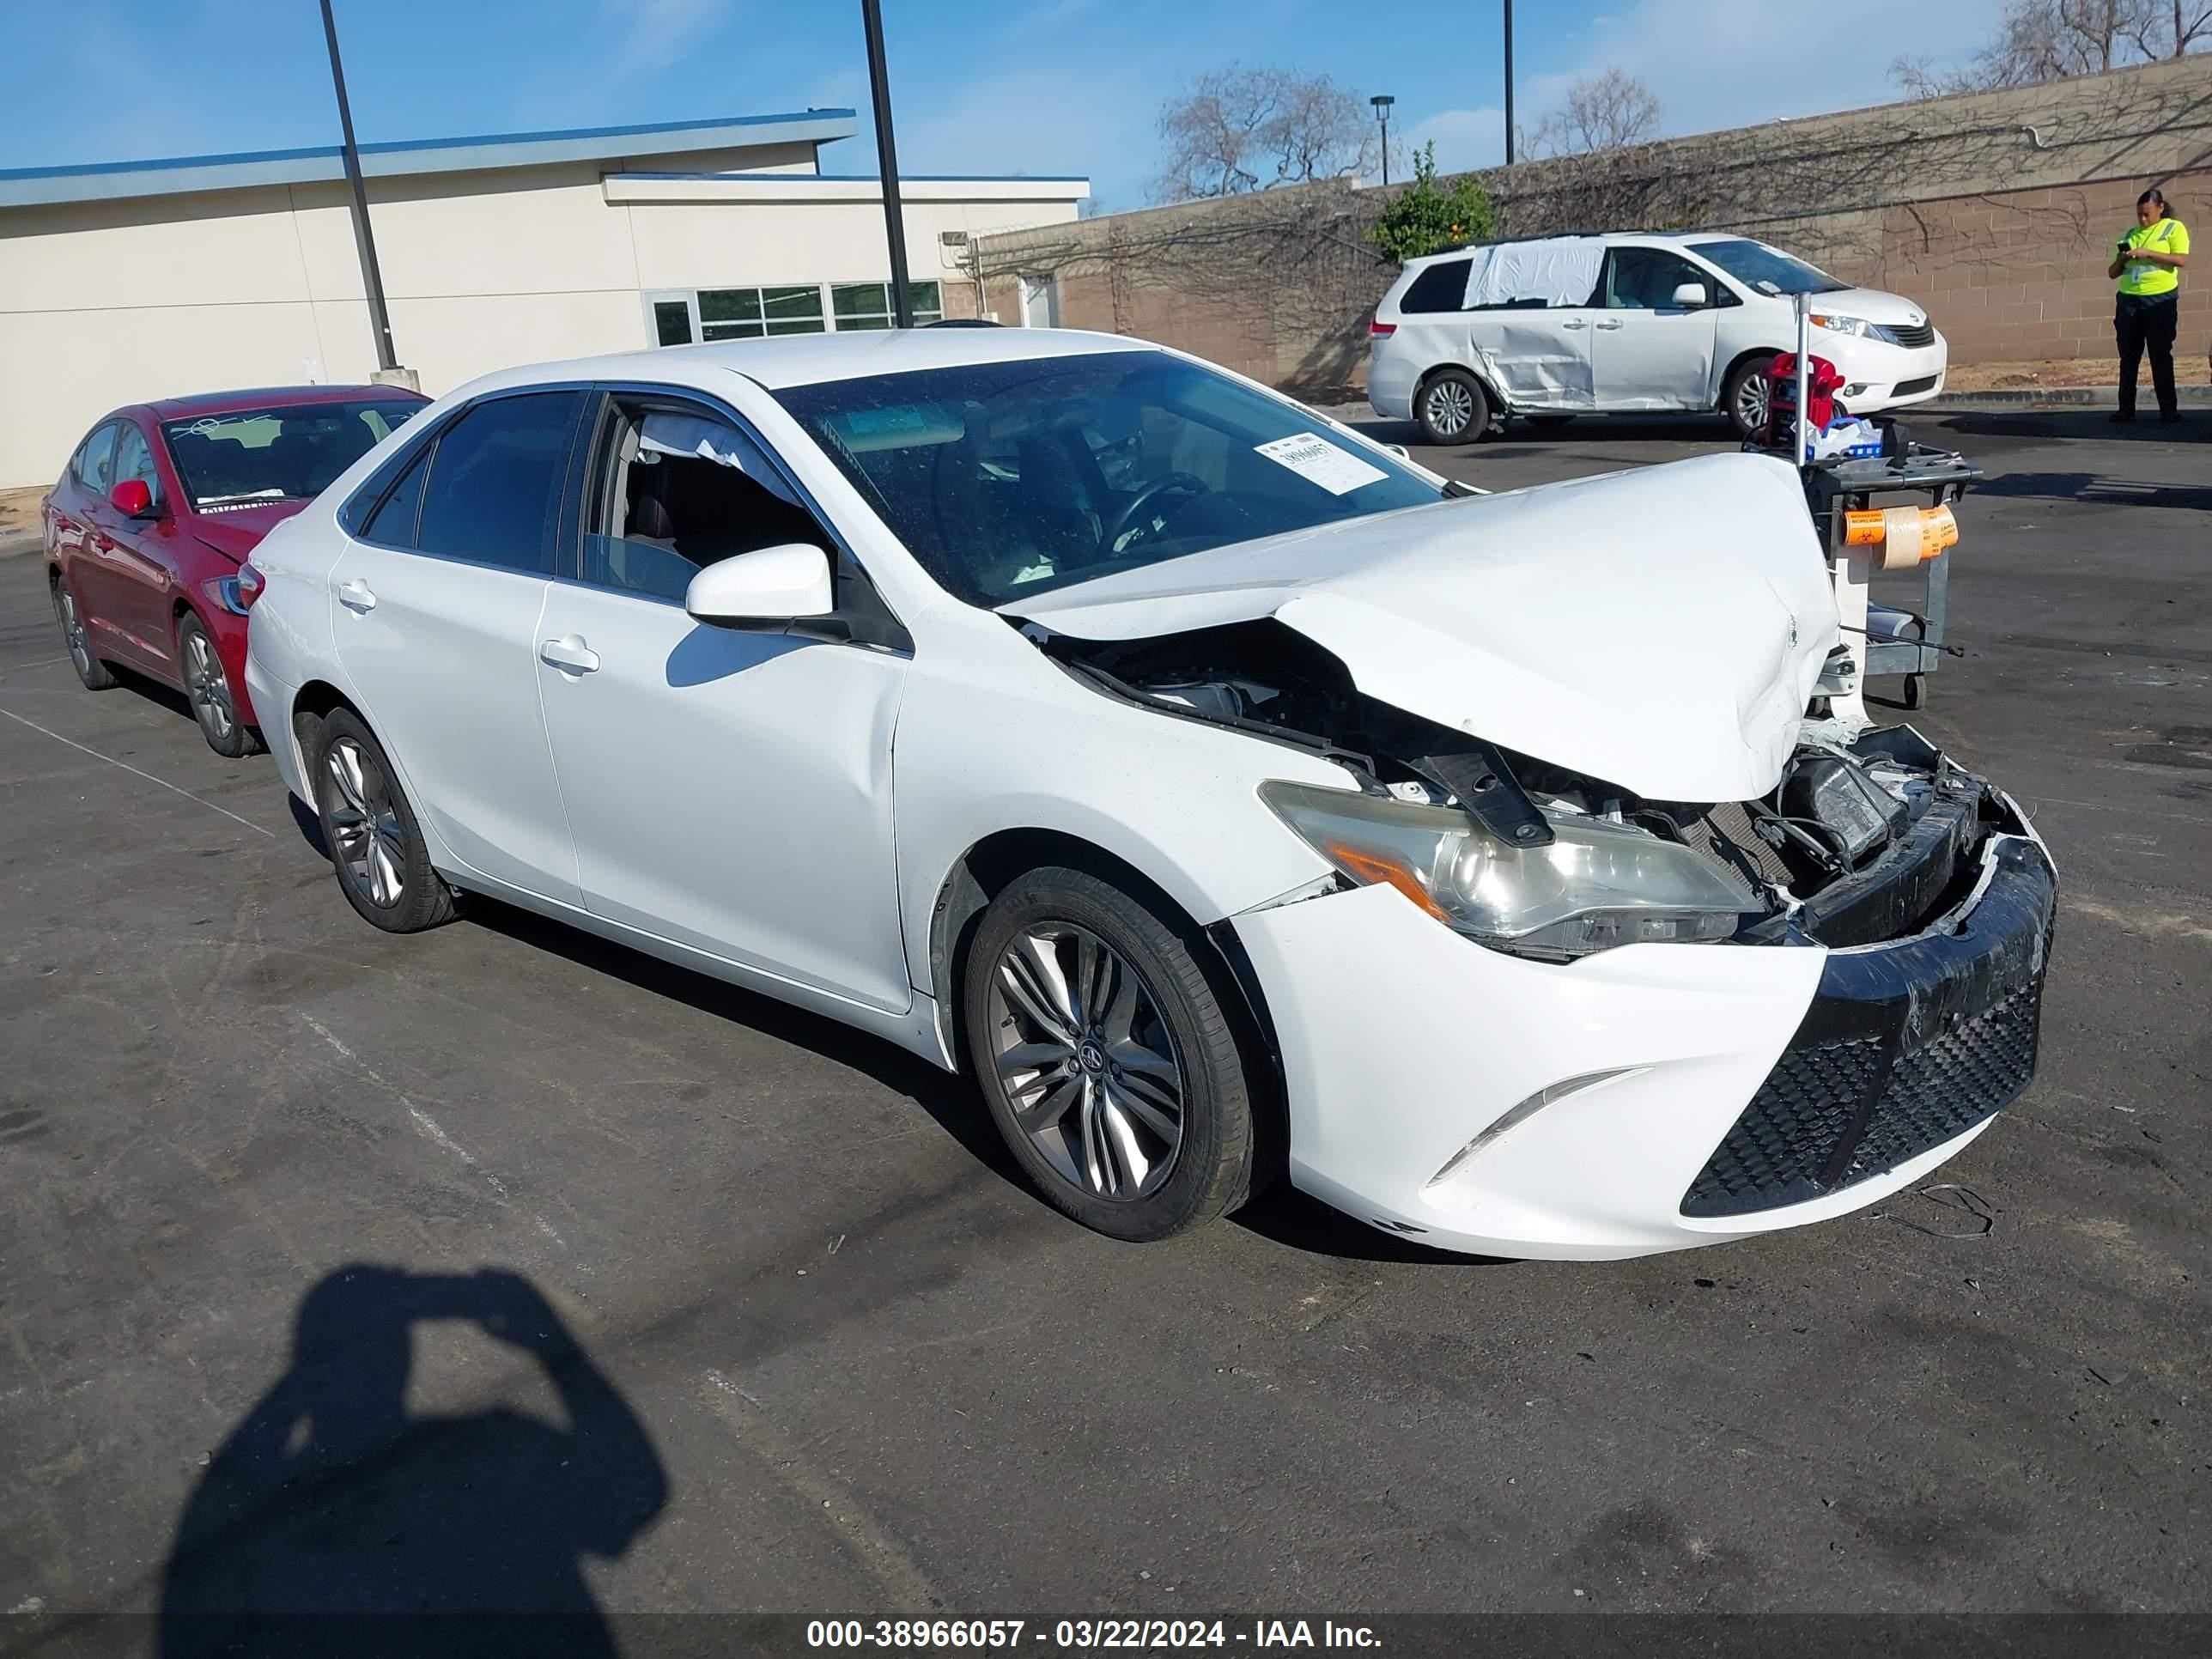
(1659, 629)
(235, 532)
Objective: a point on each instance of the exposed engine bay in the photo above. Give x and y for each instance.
(1856, 844)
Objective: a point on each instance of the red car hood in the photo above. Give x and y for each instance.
(235, 532)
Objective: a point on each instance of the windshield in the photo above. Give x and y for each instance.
(278, 455)
(1010, 479)
(1768, 270)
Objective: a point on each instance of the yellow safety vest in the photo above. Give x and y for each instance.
(2142, 276)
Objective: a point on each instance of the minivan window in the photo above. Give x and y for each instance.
(1767, 269)
(496, 481)
(1645, 278)
(1442, 287)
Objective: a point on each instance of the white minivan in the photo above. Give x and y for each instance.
(1565, 325)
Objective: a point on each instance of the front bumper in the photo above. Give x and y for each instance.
(1888, 376)
(1753, 1087)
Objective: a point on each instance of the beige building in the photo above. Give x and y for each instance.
(124, 283)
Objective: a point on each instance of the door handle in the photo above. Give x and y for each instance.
(1574, 324)
(1614, 323)
(570, 652)
(356, 595)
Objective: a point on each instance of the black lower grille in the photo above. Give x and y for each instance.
(1907, 388)
(1810, 1131)
(1903, 1049)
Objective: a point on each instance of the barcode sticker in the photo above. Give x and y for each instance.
(1319, 461)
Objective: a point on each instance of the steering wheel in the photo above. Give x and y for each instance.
(1126, 517)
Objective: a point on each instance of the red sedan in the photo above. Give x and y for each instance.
(159, 506)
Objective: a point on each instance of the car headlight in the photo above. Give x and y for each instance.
(1597, 885)
(1835, 324)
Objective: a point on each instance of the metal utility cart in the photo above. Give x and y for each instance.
(1848, 496)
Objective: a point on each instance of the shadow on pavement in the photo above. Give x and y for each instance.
(331, 1502)
(1297, 1221)
(2091, 424)
(2095, 490)
(952, 1100)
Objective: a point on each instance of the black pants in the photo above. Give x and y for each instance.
(2150, 321)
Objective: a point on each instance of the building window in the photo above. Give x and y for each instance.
(868, 305)
(684, 316)
(747, 314)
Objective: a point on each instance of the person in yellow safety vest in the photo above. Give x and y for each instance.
(2147, 263)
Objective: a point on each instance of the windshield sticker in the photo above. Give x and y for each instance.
(1318, 461)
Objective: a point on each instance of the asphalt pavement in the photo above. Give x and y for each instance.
(774, 1326)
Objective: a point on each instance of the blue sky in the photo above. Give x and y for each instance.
(979, 85)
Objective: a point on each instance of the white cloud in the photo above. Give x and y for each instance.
(1465, 139)
(1715, 64)
(655, 33)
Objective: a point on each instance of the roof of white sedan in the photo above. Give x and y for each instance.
(806, 359)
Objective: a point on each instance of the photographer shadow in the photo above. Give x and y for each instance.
(332, 1522)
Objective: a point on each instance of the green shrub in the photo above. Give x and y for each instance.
(1425, 219)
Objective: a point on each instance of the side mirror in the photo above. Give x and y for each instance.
(1690, 295)
(133, 500)
(773, 584)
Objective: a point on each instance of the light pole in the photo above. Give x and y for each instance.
(1382, 102)
(1509, 83)
(372, 279)
(872, 20)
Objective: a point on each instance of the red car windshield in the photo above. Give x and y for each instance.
(293, 453)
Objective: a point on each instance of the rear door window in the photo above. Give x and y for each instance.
(393, 524)
(493, 491)
(1440, 288)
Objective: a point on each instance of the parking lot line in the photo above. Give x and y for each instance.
(135, 772)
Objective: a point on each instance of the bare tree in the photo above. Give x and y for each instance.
(2041, 40)
(1601, 111)
(1241, 129)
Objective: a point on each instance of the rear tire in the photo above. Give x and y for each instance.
(1106, 1058)
(214, 705)
(375, 842)
(1745, 397)
(1452, 407)
(78, 636)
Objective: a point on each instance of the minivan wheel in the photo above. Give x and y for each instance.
(213, 705)
(1107, 1061)
(1452, 407)
(89, 668)
(374, 841)
(1746, 396)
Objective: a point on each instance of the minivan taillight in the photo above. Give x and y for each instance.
(250, 584)
(1381, 331)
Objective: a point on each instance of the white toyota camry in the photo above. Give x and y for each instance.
(1228, 794)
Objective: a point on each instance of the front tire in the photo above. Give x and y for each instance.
(375, 842)
(213, 706)
(1746, 396)
(1110, 1064)
(78, 636)
(1452, 407)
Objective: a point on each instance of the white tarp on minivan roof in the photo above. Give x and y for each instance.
(1559, 270)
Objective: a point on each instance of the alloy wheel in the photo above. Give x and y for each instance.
(1752, 399)
(73, 630)
(209, 687)
(369, 843)
(1451, 408)
(1088, 1064)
